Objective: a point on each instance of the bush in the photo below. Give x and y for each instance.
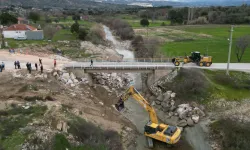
(145, 48)
(49, 31)
(163, 24)
(232, 134)
(91, 135)
(122, 28)
(200, 20)
(189, 84)
(82, 34)
(96, 34)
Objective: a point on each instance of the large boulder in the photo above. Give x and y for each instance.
(199, 112)
(190, 122)
(164, 105)
(72, 76)
(65, 76)
(182, 123)
(160, 98)
(173, 95)
(195, 118)
(167, 96)
(70, 82)
(157, 102)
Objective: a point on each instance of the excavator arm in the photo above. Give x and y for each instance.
(131, 91)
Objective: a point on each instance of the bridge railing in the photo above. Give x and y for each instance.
(128, 60)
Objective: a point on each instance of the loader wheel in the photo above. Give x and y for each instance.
(177, 63)
(208, 64)
(201, 64)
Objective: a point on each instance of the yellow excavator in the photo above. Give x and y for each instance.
(152, 130)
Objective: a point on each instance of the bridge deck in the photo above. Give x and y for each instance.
(152, 66)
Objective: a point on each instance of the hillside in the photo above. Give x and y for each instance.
(61, 3)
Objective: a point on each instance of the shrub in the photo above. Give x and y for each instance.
(163, 24)
(49, 31)
(189, 84)
(96, 34)
(82, 34)
(93, 136)
(122, 28)
(200, 20)
(232, 134)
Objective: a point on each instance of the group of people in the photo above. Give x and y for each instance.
(17, 65)
(29, 67)
(12, 51)
(2, 67)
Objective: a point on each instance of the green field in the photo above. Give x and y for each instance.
(64, 34)
(216, 44)
(156, 23)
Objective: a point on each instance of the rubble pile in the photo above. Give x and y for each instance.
(180, 115)
(112, 80)
(68, 78)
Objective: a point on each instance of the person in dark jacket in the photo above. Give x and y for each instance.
(27, 65)
(41, 68)
(3, 66)
(15, 63)
(36, 66)
(18, 65)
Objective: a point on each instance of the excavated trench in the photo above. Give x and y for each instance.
(193, 138)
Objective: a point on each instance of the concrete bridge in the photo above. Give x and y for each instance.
(123, 66)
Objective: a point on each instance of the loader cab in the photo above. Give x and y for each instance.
(195, 56)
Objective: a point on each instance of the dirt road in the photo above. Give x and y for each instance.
(48, 62)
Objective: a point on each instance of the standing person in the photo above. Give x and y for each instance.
(0, 68)
(18, 65)
(91, 62)
(3, 66)
(30, 68)
(36, 66)
(41, 68)
(55, 63)
(40, 61)
(15, 63)
(27, 65)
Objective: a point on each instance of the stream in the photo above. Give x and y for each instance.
(194, 138)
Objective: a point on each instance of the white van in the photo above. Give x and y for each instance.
(20, 38)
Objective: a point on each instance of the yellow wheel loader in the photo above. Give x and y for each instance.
(152, 130)
(195, 57)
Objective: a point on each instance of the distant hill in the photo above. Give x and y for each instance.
(105, 3)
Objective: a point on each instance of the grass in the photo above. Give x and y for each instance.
(205, 86)
(232, 135)
(216, 46)
(14, 119)
(157, 23)
(64, 34)
(17, 43)
(236, 87)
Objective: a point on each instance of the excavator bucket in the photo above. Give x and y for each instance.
(119, 106)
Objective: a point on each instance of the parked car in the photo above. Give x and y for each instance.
(20, 38)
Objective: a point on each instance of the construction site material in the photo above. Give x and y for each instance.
(161, 132)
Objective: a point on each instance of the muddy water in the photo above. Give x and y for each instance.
(137, 115)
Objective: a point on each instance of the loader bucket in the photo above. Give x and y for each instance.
(119, 106)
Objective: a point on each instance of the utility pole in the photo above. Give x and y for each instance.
(230, 48)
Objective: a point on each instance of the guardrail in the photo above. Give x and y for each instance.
(128, 60)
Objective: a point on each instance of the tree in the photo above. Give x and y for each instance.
(76, 17)
(144, 22)
(175, 16)
(242, 44)
(34, 16)
(75, 28)
(7, 19)
(82, 34)
(56, 20)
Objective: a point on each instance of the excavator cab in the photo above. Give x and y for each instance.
(119, 105)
